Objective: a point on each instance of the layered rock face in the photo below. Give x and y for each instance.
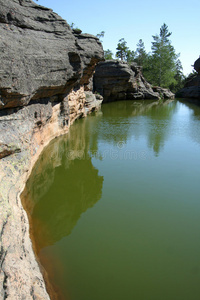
(191, 89)
(117, 80)
(44, 86)
(40, 56)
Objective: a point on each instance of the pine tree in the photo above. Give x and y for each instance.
(179, 78)
(163, 59)
(108, 54)
(122, 49)
(141, 54)
(100, 35)
(130, 56)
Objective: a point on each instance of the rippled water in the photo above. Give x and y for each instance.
(115, 205)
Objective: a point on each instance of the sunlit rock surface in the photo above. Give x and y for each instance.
(117, 80)
(44, 73)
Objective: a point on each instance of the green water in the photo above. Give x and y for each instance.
(115, 205)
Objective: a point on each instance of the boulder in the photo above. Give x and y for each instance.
(92, 101)
(164, 93)
(191, 89)
(117, 80)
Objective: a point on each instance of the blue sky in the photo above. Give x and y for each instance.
(134, 20)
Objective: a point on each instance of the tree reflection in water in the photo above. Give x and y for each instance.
(64, 183)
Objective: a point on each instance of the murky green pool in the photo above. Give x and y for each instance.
(115, 204)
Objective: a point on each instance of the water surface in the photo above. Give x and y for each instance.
(115, 206)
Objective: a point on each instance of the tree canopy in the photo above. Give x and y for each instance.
(122, 49)
(163, 58)
(140, 54)
(108, 54)
(100, 35)
(161, 67)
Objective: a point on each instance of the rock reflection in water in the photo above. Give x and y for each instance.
(138, 234)
(64, 182)
(62, 186)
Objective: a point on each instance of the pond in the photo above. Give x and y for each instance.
(114, 205)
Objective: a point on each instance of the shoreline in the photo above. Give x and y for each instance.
(51, 289)
(21, 274)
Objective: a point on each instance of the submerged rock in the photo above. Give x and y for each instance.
(117, 80)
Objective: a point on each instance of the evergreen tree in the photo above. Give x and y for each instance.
(130, 56)
(190, 77)
(163, 60)
(100, 35)
(108, 54)
(179, 78)
(141, 54)
(122, 49)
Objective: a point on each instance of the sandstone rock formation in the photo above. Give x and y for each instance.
(40, 55)
(191, 90)
(117, 80)
(44, 75)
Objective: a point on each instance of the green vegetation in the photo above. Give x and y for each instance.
(163, 60)
(122, 49)
(141, 55)
(130, 56)
(192, 75)
(161, 67)
(108, 54)
(75, 29)
(100, 35)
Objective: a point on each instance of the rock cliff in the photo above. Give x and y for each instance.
(117, 80)
(44, 86)
(191, 90)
